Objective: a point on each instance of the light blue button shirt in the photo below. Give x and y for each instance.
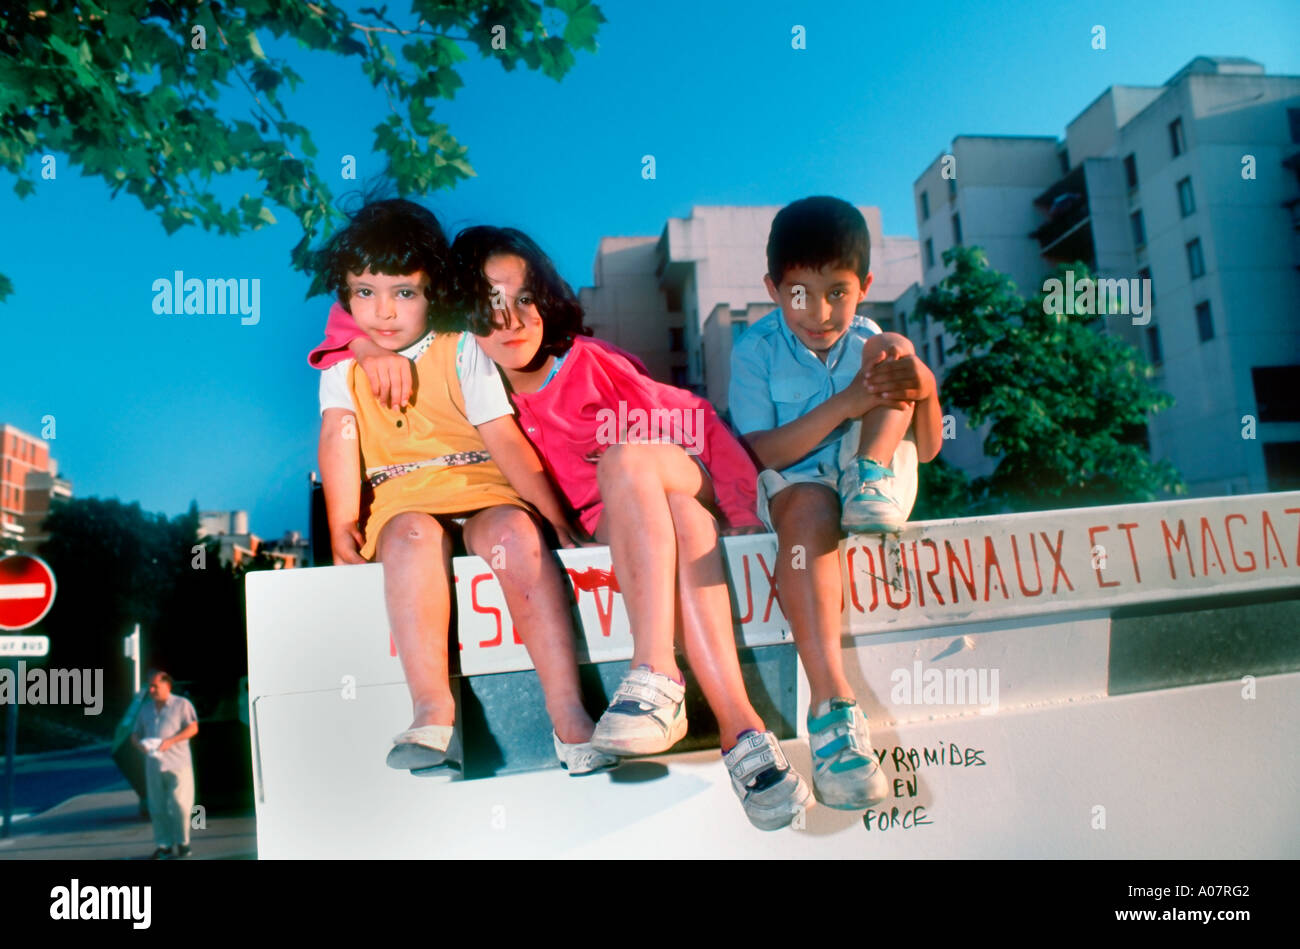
(776, 379)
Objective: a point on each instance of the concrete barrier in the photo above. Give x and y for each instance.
(988, 636)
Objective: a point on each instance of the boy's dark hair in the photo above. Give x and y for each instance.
(392, 237)
(556, 302)
(816, 232)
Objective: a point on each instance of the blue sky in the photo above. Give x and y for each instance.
(163, 409)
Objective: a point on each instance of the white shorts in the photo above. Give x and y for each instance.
(772, 482)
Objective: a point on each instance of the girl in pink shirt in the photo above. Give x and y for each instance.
(645, 466)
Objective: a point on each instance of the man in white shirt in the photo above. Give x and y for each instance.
(163, 730)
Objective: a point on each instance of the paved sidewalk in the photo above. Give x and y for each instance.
(108, 826)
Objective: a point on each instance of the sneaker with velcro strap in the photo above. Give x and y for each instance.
(846, 773)
(646, 716)
(772, 793)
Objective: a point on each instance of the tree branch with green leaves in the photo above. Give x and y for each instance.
(164, 99)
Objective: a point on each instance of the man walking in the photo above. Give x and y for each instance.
(163, 730)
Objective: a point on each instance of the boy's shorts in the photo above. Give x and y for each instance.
(772, 482)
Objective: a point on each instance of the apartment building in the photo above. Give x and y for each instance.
(1194, 185)
(29, 483)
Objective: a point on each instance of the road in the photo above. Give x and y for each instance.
(41, 782)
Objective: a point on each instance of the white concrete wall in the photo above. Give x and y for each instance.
(1035, 764)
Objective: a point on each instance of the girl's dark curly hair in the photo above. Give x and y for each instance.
(393, 237)
(556, 302)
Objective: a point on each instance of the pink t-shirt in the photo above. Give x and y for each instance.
(599, 396)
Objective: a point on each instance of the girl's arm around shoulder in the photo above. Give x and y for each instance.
(387, 372)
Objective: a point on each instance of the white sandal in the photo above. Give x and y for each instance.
(579, 758)
(429, 746)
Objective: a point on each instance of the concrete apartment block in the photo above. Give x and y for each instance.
(1194, 184)
(625, 306)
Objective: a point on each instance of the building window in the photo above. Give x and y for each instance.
(1139, 229)
(1186, 200)
(938, 350)
(1154, 352)
(925, 353)
(1276, 396)
(925, 206)
(1177, 143)
(1282, 465)
(929, 253)
(956, 228)
(952, 188)
(902, 323)
(676, 339)
(1195, 259)
(1131, 170)
(1145, 274)
(1293, 119)
(1204, 324)
(679, 377)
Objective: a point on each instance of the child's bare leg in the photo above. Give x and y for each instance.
(638, 527)
(679, 554)
(808, 516)
(509, 539)
(706, 618)
(416, 554)
(884, 427)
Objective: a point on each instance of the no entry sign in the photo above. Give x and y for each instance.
(26, 591)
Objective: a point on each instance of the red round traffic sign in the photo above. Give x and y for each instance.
(26, 591)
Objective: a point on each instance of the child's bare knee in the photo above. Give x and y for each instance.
(893, 345)
(805, 507)
(618, 461)
(411, 529)
(513, 530)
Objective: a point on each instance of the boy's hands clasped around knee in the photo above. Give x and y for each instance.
(900, 379)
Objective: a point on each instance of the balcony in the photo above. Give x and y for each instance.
(1066, 234)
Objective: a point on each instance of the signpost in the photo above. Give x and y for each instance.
(27, 591)
(131, 649)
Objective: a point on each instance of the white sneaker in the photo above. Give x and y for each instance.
(771, 791)
(579, 758)
(869, 498)
(646, 716)
(846, 774)
(874, 498)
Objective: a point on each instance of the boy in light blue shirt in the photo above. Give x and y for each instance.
(838, 414)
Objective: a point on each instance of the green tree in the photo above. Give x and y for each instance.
(943, 491)
(1068, 403)
(134, 92)
(117, 565)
